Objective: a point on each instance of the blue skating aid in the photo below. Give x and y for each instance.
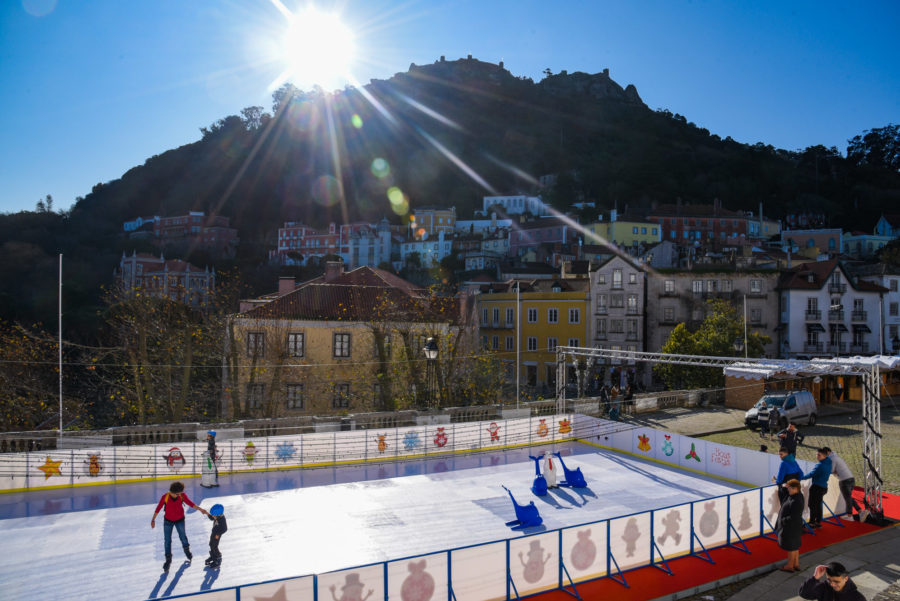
(540, 483)
(573, 478)
(527, 516)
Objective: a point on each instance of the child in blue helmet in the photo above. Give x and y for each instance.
(220, 526)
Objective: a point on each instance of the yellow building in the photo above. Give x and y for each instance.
(340, 343)
(427, 223)
(551, 313)
(624, 233)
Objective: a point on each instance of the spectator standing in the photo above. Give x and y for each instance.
(819, 476)
(788, 470)
(774, 418)
(762, 419)
(790, 437)
(836, 586)
(213, 457)
(604, 400)
(789, 525)
(846, 482)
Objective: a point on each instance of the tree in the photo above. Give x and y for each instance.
(715, 337)
(28, 378)
(878, 147)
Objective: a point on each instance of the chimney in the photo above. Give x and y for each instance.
(333, 270)
(285, 285)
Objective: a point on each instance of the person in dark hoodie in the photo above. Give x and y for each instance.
(220, 526)
(836, 586)
(788, 470)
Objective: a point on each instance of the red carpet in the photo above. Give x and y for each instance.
(689, 572)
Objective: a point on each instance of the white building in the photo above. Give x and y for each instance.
(826, 313)
(430, 250)
(887, 276)
(516, 205)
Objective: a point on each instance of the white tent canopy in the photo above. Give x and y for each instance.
(761, 369)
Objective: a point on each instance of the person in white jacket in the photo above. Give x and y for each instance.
(551, 470)
(846, 482)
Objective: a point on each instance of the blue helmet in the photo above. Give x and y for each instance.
(211, 433)
(216, 509)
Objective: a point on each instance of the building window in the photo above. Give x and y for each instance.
(755, 315)
(484, 317)
(601, 328)
(727, 285)
(653, 231)
(697, 287)
(669, 314)
(497, 316)
(574, 342)
(712, 286)
(755, 286)
(601, 279)
(632, 303)
(892, 309)
(616, 326)
(574, 315)
(617, 278)
(669, 286)
(341, 396)
(495, 343)
(293, 396)
(893, 285)
(295, 344)
(510, 343)
(256, 344)
(551, 344)
(617, 301)
(552, 315)
(532, 343)
(601, 303)
(255, 394)
(510, 316)
(532, 315)
(341, 345)
(632, 278)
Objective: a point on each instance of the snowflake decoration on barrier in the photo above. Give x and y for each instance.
(411, 441)
(284, 451)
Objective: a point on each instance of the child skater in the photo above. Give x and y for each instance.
(220, 526)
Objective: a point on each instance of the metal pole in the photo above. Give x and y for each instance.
(59, 321)
(518, 337)
(746, 340)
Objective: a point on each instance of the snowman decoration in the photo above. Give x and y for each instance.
(709, 521)
(631, 536)
(534, 568)
(352, 589)
(551, 470)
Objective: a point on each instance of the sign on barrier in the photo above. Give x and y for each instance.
(672, 531)
(584, 551)
(534, 563)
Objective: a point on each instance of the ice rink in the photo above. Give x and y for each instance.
(96, 542)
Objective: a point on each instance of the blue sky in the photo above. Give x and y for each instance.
(90, 89)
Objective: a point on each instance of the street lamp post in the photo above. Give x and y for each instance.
(431, 352)
(739, 344)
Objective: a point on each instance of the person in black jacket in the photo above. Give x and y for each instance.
(789, 525)
(220, 526)
(790, 438)
(837, 585)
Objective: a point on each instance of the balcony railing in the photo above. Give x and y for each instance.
(838, 348)
(668, 293)
(631, 336)
(837, 288)
(813, 316)
(835, 316)
(632, 311)
(602, 310)
(859, 315)
(813, 347)
(859, 349)
(600, 336)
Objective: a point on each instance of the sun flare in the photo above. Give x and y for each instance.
(317, 49)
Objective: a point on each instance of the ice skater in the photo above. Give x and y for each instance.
(174, 502)
(213, 477)
(551, 470)
(220, 526)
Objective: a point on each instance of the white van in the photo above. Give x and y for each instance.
(796, 406)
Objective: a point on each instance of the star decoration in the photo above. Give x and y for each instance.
(50, 468)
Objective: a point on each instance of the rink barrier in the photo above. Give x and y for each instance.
(167, 461)
(540, 561)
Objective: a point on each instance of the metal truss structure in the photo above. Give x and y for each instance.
(583, 359)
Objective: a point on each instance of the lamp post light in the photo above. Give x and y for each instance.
(431, 353)
(739, 344)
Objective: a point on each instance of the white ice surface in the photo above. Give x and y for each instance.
(113, 554)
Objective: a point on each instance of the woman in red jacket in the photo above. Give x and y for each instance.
(174, 502)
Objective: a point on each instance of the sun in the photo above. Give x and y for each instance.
(317, 49)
